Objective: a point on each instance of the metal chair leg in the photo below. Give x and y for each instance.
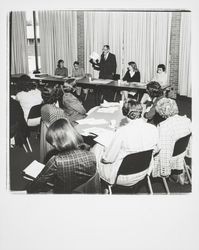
(109, 189)
(187, 172)
(115, 96)
(29, 144)
(25, 148)
(166, 185)
(149, 185)
(85, 98)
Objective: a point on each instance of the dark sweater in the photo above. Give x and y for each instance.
(135, 78)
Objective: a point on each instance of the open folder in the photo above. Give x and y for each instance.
(33, 170)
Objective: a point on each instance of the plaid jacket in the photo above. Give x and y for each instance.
(170, 131)
(66, 171)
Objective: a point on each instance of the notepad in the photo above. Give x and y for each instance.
(34, 169)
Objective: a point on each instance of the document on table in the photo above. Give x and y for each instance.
(94, 130)
(109, 110)
(102, 81)
(92, 121)
(105, 138)
(34, 169)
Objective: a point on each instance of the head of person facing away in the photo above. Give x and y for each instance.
(51, 94)
(25, 83)
(132, 109)
(161, 68)
(166, 108)
(132, 66)
(60, 64)
(106, 49)
(154, 89)
(63, 137)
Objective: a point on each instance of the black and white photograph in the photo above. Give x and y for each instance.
(100, 101)
(99, 129)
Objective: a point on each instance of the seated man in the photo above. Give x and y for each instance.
(71, 105)
(134, 137)
(170, 130)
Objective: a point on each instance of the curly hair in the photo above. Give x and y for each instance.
(51, 94)
(132, 109)
(167, 107)
(154, 89)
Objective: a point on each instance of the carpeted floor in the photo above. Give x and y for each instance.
(19, 159)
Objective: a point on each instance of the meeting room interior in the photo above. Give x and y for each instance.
(99, 102)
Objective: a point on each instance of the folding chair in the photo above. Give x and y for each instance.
(34, 118)
(136, 167)
(180, 148)
(92, 186)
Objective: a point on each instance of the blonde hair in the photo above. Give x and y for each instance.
(167, 107)
(63, 136)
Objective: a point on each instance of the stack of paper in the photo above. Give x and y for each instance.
(110, 110)
(94, 56)
(34, 169)
(102, 81)
(105, 138)
(92, 121)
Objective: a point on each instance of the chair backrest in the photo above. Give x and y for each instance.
(92, 186)
(135, 163)
(181, 145)
(35, 112)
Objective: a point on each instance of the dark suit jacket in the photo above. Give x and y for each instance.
(106, 67)
(136, 77)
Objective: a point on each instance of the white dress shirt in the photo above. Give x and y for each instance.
(134, 137)
(28, 100)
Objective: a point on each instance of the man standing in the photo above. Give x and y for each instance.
(107, 65)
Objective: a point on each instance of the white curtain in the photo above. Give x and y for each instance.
(147, 40)
(101, 28)
(184, 79)
(19, 52)
(58, 39)
(143, 37)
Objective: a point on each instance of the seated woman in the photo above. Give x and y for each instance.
(71, 166)
(61, 70)
(161, 75)
(171, 129)
(135, 136)
(50, 112)
(78, 72)
(28, 96)
(155, 93)
(132, 75)
(71, 105)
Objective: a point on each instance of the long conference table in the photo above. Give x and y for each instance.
(95, 84)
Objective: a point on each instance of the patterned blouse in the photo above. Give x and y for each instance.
(66, 171)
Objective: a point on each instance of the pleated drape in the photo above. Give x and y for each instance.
(58, 39)
(184, 79)
(143, 37)
(19, 51)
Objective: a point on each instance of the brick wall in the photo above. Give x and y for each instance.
(80, 37)
(174, 53)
